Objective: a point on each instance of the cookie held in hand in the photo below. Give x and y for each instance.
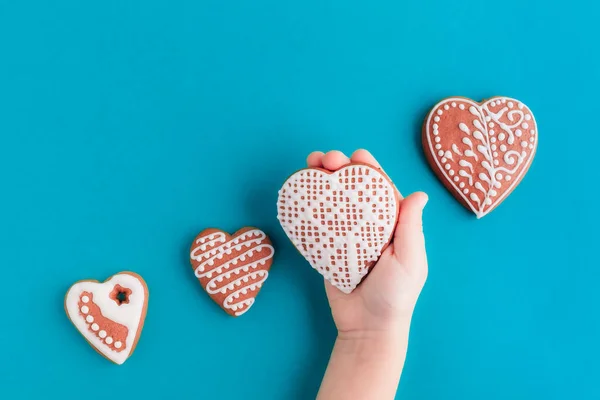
(480, 151)
(232, 268)
(110, 315)
(340, 221)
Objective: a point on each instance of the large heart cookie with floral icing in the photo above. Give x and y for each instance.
(480, 151)
(339, 221)
(110, 315)
(232, 268)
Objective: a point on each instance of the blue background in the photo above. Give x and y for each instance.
(128, 126)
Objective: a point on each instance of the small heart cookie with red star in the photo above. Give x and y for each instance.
(480, 151)
(340, 221)
(232, 268)
(110, 315)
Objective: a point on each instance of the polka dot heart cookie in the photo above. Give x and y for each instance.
(109, 315)
(340, 221)
(232, 268)
(480, 151)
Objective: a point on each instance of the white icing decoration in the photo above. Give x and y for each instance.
(444, 159)
(484, 150)
(437, 119)
(108, 340)
(251, 241)
(446, 107)
(85, 309)
(451, 172)
(361, 250)
(441, 153)
(453, 104)
(461, 106)
(127, 314)
(118, 345)
(89, 319)
(461, 185)
(438, 146)
(85, 299)
(523, 143)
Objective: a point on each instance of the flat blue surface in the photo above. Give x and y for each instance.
(126, 127)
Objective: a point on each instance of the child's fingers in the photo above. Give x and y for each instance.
(409, 242)
(315, 159)
(363, 156)
(335, 160)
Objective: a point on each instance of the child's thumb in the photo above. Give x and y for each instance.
(409, 242)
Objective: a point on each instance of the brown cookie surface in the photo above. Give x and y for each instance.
(480, 151)
(232, 268)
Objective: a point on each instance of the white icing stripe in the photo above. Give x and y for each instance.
(235, 242)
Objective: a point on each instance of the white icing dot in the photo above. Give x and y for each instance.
(492, 133)
(461, 185)
(85, 309)
(461, 106)
(525, 125)
(495, 154)
(501, 136)
(440, 112)
(118, 345)
(451, 172)
(95, 327)
(532, 139)
(531, 146)
(456, 179)
(453, 104)
(441, 153)
(437, 139)
(493, 103)
(85, 299)
(510, 104)
(493, 140)
(521, 106)
(102, 334)
(498, 176)
(109, 340)
(507, 178)
(491, 124)
(527, 117)
(523, 153)
(523, 144)
(444, 159)
(466, 191)
(438, 146)
(496, 162)
(493, 147)
(435, 126)
(436, 119)
(503, 101)
(447, 166)
(518, 132)
(446, 107)
(532, 132)
(488, 118)
(89, 319)
(502, 147)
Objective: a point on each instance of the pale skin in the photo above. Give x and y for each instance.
(374, 320)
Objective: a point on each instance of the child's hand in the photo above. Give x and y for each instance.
(373, 321)
(388, 294)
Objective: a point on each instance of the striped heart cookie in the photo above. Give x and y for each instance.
(480, 151)
(109, 315)
(339, 221)
(232, 268)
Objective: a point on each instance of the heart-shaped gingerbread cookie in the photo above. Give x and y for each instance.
(232, 268)
(110, 315)
(480, 151)
(339, 221)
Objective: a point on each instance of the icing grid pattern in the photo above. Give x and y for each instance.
(340, 222)
(233, 267)
(482, 150)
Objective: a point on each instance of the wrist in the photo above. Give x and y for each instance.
(388, 343)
